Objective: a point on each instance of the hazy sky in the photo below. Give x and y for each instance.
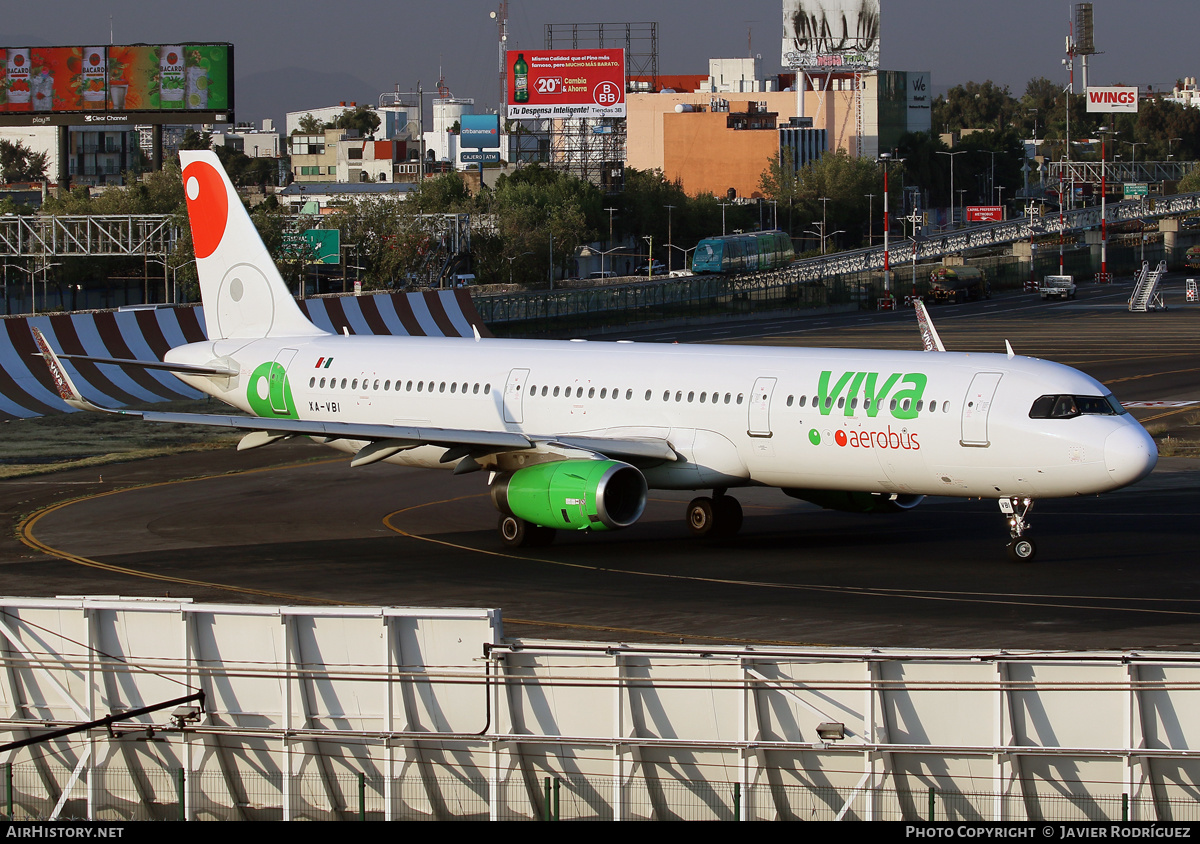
(303, 53)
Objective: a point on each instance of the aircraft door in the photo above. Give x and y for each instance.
(277, 386)
(976, 405)
(514, 394)
(760, 407)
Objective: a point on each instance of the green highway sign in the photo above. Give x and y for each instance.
(321, 246)
(1135, 189)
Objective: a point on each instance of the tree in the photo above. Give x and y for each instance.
(18, 163)
(845, 181)
(780, 182)
(1191, 182)
(195, 140)
(360, 118)
(974, 106)
(309, 125)
(244, 170)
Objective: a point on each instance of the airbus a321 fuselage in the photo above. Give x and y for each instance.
(573, 434)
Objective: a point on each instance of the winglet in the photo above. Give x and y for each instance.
(1009, 349)
(929, 335)
(66, 388)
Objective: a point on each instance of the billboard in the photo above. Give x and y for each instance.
(1112, 99)
(566, 83)
(71, 85)
(831, 34)
(984, 213)
(479, 131)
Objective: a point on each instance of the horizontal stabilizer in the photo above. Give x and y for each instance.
(186, 368)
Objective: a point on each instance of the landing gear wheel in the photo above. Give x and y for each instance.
(728, 512)
(701, 516)
(518, 533)
(1022, 550)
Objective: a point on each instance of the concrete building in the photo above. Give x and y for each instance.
(717, 143)
(324, 197)
(256, 143)
(341, 155)
(1185, 94)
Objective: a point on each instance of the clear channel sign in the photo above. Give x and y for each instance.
(320, 246)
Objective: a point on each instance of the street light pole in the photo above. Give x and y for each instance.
(1104, 130)
(885, 158)
(670, 242)
(870, 219)
(951, 154)
(824, 200)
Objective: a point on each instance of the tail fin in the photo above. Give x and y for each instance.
(243, 293)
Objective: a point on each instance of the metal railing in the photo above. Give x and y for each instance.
(119, 794)
(37, 235)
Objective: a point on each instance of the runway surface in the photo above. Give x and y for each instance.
(294, 524)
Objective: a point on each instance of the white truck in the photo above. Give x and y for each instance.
(1057, 285)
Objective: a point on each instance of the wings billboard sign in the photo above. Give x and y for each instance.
(1112, 99)
(831, 34)
(566, 83)
(61, 85)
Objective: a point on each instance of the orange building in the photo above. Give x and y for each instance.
(718, 151)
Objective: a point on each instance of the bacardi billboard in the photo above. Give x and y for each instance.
(1112, 99)
(66, 85)
(566, 83)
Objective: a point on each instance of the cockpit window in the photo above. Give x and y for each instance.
(1068, 407)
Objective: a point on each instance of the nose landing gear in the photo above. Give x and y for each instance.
(1021, 549)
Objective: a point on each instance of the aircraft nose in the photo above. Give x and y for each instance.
(1129, 455)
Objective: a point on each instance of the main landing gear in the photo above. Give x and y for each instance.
(518, 533)
(718, 517)
(1021, 549)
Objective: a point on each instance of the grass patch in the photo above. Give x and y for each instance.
(73, 440)
(1169, 446)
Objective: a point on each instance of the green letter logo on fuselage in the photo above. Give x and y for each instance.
(269, 393)
(874, 393)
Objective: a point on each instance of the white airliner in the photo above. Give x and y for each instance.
(573, 434)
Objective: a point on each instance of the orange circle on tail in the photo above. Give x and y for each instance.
(208, 206)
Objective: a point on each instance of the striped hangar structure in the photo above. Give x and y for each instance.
(26, 389)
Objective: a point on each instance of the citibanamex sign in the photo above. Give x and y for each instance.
(1112, 99)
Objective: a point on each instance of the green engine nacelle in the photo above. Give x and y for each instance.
(857, 502)
(573, 494)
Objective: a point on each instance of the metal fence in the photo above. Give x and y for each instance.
(562, 312)
(166, 794)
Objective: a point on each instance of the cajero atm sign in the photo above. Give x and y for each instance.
(1112, 99)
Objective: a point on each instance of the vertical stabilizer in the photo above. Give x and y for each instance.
(243, 293)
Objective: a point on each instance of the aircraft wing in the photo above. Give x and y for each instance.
(383, 440)
(929, 335)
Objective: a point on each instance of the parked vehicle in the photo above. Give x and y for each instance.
(1060, 286)
(958, 284)
(656, 268)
